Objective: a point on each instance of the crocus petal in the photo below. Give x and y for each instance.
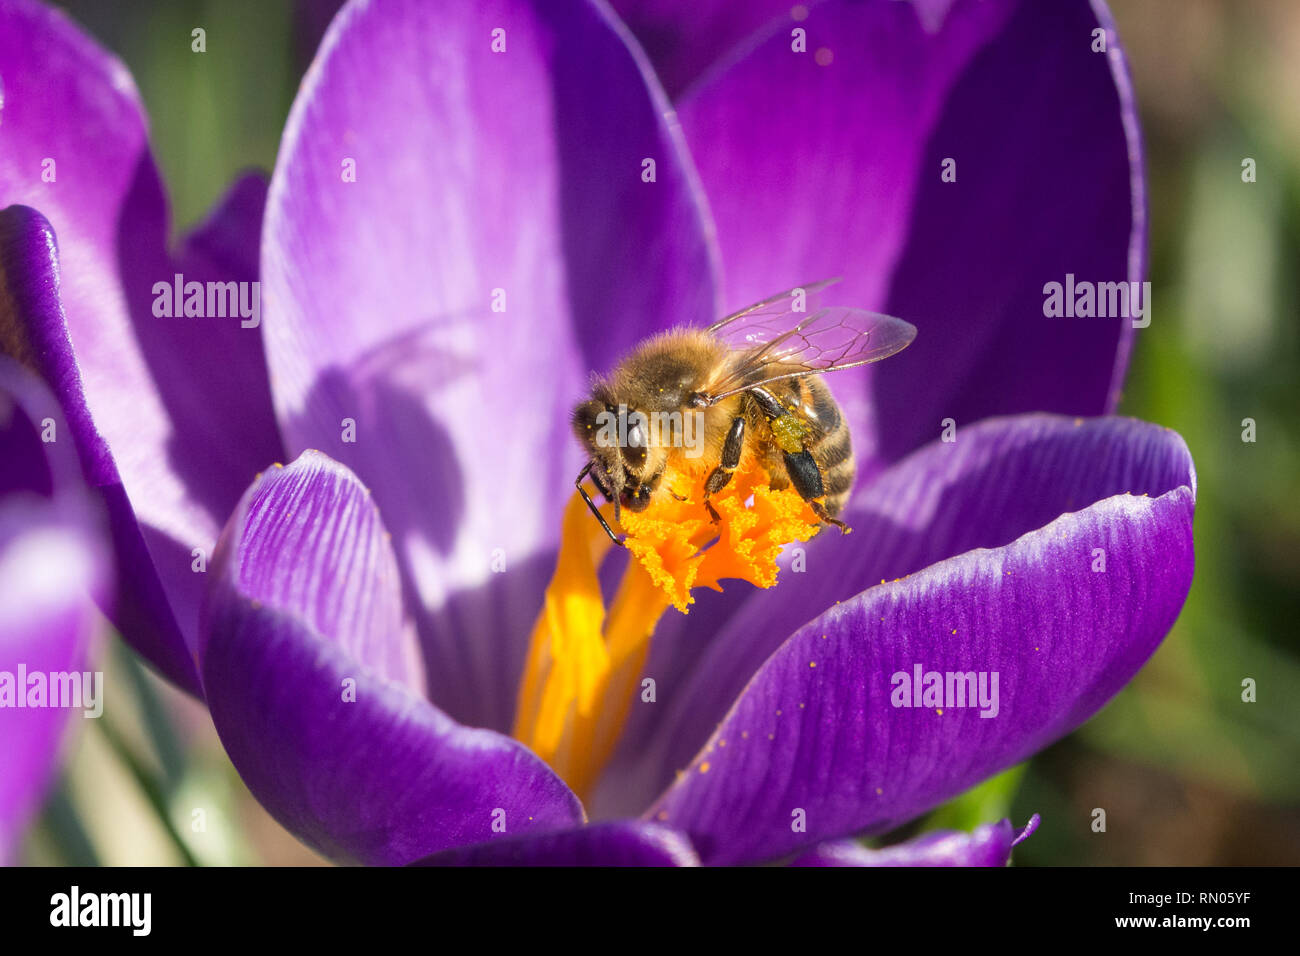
(684, 38)
(52, 567)
(979, 279)
(49, 567)
(827, 170)
(622, 843)
(34, 331)
(815, 728)
(988, 845)
(312, 676)
(520, 186)
(1001, 479)
(171, 415)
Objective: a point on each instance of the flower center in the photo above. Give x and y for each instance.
(584, 666)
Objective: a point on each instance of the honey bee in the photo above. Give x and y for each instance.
(750, 382)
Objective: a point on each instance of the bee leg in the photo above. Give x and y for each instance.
(594, 510)
(807, 480)
(821, 512)
(767, 403)
(721, 475)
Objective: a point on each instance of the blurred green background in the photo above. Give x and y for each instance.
(1187, 772)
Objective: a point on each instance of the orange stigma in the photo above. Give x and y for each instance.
(585, 662)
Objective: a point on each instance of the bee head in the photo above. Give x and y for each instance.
(618, 439)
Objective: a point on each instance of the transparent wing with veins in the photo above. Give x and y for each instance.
(749, 326)
(774, 343)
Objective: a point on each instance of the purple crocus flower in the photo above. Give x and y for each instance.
(461, 226)
(171, 418)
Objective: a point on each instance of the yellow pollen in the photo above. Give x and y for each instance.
(673, 539)
(584, 670)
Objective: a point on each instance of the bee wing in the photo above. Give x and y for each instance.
(753, 324)
(823, 341)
